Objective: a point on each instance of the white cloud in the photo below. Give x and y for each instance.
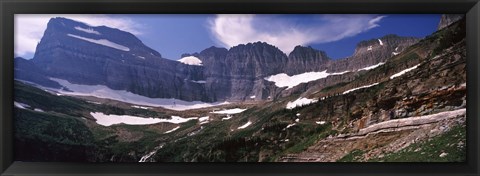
(286, 33)
(29, 28)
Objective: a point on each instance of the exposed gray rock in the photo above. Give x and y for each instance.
(447, 19)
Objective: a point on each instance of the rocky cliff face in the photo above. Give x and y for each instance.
(374, 51)
(306, 59)
(447, 19)
(89, 55)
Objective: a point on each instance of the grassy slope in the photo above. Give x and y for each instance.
(451, 142)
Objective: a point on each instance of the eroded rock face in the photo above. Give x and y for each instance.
(374, 51)
(447, 19)
(306, 59)
(101, 55)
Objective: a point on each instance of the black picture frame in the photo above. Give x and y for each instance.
(10, 7)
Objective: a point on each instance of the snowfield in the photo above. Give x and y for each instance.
(108, 120)
(283, 80)
(101, 91)
(371, 67)
(403, 71)
(90, 30)
(229, 111)
(245, 125)
(191, 60)
(103, 42)
(300, 102)
(362, 87)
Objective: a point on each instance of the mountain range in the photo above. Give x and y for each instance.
(86, 55)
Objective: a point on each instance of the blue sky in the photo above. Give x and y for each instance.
(173, 35)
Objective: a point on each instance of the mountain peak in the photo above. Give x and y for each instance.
(308, 52)
(64, 32)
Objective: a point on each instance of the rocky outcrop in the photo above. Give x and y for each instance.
(447, 19)
(386, 137)
(374, 51)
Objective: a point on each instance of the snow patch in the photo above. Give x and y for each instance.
(403, 71)
(94, 102)
(172, 130)
(195, 132)
(300, 102)
(140, 107)
(108, 120)
(227, 118)
(369, 48)
(141, 57)
(145, 157)
(204, 120)
(101, 91)
(372, 67)
(89, 30)
(38, 110)
(253, 97)
(380, 41)
(191, 60)
(395, 53)
(199, 81)
(362, 87)
(229, 111)
(297, 120)
(245, 125)
(320, 122)
(290, 125)
(284, 80)
(21, 105)
(103, 42)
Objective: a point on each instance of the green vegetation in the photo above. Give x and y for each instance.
(43, 137)
(353, 156)
(336, 86)
(447, 147)
(310, 137)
